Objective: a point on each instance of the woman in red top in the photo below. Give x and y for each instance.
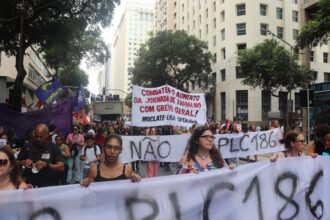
(100, 137)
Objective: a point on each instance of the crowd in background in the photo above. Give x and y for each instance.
(45, 158)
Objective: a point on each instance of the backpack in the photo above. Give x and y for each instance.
(85, 150)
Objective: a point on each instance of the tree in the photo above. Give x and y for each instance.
(67, 29)
(174, 58)
(73, 76)
(267, 66)
(128, 99)
(317, 30)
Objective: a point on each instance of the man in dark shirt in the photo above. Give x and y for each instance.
(42, 159)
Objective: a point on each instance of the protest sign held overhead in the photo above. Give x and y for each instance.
(166, 105)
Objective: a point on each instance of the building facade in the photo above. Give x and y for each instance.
(37, 74)
(231, 25)
(164, 15)
(137, 21)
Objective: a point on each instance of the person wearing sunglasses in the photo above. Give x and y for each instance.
(202, 154)
(294, 144)
(9, 174)
(110, 169)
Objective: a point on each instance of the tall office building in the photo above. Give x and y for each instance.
(164, 15)
(136, 22)
(231, 25)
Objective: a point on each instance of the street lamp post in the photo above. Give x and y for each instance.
(289, 102)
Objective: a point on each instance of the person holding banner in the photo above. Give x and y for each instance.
(152, 166)
(294, 143)
(202, 154)
(9, 173)
(321, 145)
(110, 169)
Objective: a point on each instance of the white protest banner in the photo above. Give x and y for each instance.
(170, 148)
(290, 188)
(3, 142)
(166, 105)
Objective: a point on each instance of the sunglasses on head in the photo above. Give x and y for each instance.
(3, 162)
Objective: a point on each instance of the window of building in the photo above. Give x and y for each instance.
(215, 40)
(200, 34)
(214, 6)
(182, 7)
(325, 57)
(194, 24)
(326, 77)
(223, 74)
(295, 33)
(238, 72)
(223, 53)
(311, 56)
(182, 20)
(241, 46)
(279, 13)
(296, 101)
(223, 34)
(295, 1)
(265, 104)
(193, 85)
(263, 29)
(240, 9)
(200, 19)
(294, 15)
(207, 29)
(241, 28)
(263, 9)
(215, 59)
(282, 101)
(222, 15)
(314, 75)
(207, 13)
(280, 32)
(223, 105)
(242, 106)
(214, 23)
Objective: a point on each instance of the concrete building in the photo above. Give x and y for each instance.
(101, 81)
(164, 15)
(107, 69)
(136, 22)
(229, 26)
(37, 74)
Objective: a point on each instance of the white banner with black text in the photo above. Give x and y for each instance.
(166, 105)
(290, 188)
(170, 148)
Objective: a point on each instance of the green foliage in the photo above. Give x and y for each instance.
(63, 31)
(174, 58)
(317, 30)
(267, 66)
(73, 76)
(128, 100)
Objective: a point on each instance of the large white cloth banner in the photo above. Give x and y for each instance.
(166, 105)
(170, 148)
(290, 188)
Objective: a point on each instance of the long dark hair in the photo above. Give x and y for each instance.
(15, 178)
(194, 146)
(291, 136)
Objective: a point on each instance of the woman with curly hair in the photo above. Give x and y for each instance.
(202, 154)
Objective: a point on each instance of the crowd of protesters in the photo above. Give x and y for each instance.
(90, 153)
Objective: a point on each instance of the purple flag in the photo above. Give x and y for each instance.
(80, 100)
(59, 114)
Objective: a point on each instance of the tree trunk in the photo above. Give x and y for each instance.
(16, 99)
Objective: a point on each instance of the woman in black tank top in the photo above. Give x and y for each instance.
(294, 143)
(110, 168)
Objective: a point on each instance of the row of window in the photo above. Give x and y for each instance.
(242, 105)
(263, 11)
(325, 57)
